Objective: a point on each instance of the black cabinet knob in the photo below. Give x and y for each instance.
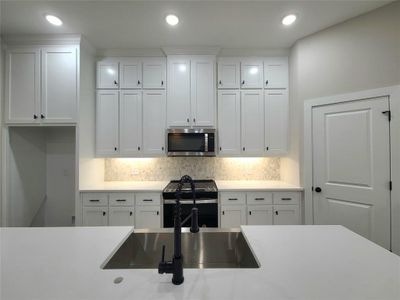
(250, 213)
(130, 213)
(115, 148)
(266, 82)
(162, 148)
(267, 148)
(244, 148)
(138, 82)
(138, 148)
(220, 82)
(158, 212)
(104, 213)
(318, 189)
(243, 82)
(42, 116)
(276, 212)
(220, 148)
(162, 82)
(187, 120)
(35, 117)
(115, 82)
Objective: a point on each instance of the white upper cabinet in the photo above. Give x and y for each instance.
(178, 94)
(107, 75)
(59, 84)
(22, 85)
(42, 84)
(154, 122)
(252, 122)
(276, 73)
(276, 104)
(203, 91)
(191, 91)
(228, 73)
(130, 123)
(107, 112)
(229, 122)
(154, 73)
(251, 74)
(130, 73)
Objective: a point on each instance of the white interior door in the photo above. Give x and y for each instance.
(351, 164)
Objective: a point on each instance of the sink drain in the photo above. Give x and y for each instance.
(118, 280)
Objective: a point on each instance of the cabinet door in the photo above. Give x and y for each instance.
(130, 73)
(154, 73)
(252, 117)
(178, 94)
(147, 217)
(229, 122)
(121, 216)
(59, 85)
(259, 215)
(22, 85)
(252, 74)
(107, 75)
(130, 123)
(286, 215)
(276, 104)
(154, 115)
(203, 91)
(276, 73)
(95, 216)
(232, 216)
(107, 123)
(228, 73)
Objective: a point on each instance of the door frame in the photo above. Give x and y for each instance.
(393, 93)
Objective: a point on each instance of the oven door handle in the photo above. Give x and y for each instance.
(188, 201)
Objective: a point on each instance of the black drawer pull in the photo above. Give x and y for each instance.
(259, 198)
(286, 199)
(232, 199)
(94, 200)
(147, 200)
(120, 200)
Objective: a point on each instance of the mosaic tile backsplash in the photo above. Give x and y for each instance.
(167, 168)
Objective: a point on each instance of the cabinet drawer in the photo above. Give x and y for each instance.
(122, 199)
(286, 198)
(233, 198)
(95, 199)
(259, 198)
(148, 199)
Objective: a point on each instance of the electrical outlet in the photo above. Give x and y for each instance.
(134, 171)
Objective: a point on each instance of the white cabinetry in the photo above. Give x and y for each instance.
(252, 122)
(42, 84)
(229, 122)
(259, 208)
(107, 75)
(154, 122)
(251, 74)
(130, 123)
(154, 73)
(191, 91)
(107, 116)
(95, 216)
(148, 217)
(276, 104)
(228, 73)
(130, 73)
(276, 73)
(121, 216)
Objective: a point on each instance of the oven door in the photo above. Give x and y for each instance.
(191, 142)
(208, 212)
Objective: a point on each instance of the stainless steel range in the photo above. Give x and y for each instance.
(206, 193)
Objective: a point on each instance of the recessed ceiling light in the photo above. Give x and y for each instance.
(172, 20)
(53, 20)
(289, 20)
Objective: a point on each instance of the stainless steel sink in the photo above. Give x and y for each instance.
(209, 248)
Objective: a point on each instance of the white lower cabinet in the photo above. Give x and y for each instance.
(232, 216)
(259, 215)
(259, 208)
(148, 216)
(121, 216)
(95, 216)
(286, 215)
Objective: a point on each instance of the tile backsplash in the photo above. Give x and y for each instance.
(167, 168)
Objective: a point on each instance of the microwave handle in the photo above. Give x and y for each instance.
(206, 142)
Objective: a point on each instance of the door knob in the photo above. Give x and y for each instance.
(318, 189)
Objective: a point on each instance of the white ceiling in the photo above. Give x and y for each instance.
(140, 24)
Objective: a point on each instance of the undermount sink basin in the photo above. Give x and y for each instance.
(209, 248)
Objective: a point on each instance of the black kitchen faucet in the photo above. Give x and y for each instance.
(176, 265)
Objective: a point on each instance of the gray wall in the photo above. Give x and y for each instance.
(359, 54)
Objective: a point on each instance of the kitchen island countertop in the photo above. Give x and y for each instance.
(297, 262)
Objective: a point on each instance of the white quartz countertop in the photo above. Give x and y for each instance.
(223, 185)
(297, 262)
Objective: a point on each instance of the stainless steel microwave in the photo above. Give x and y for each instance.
(191, 142)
